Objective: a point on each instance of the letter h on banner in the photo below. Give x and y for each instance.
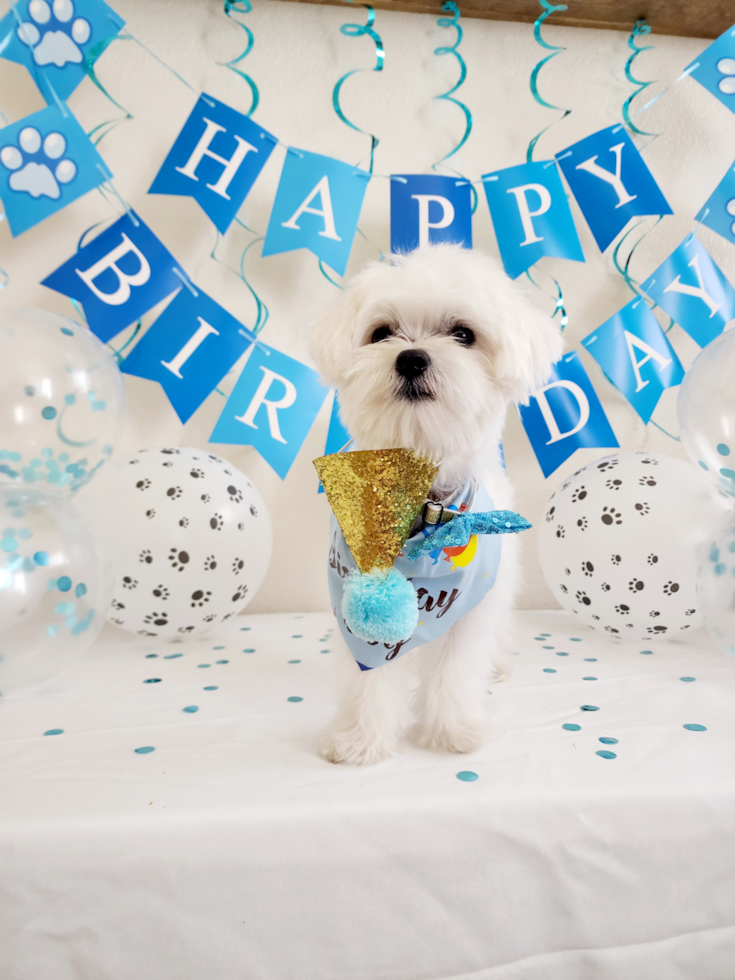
(216, 159)
(565, 415)
(118, 276)
(427, 209)
(272, 407)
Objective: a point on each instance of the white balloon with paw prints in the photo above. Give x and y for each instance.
(620, 540)
(189, 537)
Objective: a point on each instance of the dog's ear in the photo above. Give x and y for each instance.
(332, 336)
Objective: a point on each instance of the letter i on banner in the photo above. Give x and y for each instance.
(272, 407)
(118, 276)
(531, 216)
(216, 159)
(693, 290)
(565, 415)
(610, 182)
(427, 209)
(632, 350)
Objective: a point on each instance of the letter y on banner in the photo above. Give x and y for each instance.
(565, 415)
(429, 208)
(272, 407)
(215, 159)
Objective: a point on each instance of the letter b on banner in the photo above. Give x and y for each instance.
(428, 209)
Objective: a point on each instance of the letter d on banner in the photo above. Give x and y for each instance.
(565, 415)
(272, 407)
(430, 208)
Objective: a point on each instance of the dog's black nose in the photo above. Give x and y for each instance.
(412, 364)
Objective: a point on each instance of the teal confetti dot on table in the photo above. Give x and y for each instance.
(41, 558)
(547, 648)
(549, 670)
(145, 749)
(588, 707)
(63, 584)
(294, 698)
(590, 660)
(204, 665)
(152, 680)
(695, 728)
(170, 656)
(294, 661)
(608, 740)
(223, 661)
(54, 731)
(211, 687)
(49, 412)
(575, 639)
(561, 653)
(245, 629)
(544, 634)
(218, 648)
(149, 656)
(325, 651)
(297, 636)
(540, 638)
(191, 709)
(569, 727)
(646, 652)
(605, 754)
(467, 776)
(723, 449)
(688, 679)
(249, 650)
(589, 678)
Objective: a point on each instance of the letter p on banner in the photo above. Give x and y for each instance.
(272, 407)
(425, 209)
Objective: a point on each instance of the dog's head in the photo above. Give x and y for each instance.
(426, 352)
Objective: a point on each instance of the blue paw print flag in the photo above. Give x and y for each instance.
(54, 39)
(565, 415)
(118, 276)
(633, 351)
(531, 216)
(189, 349)
(715, 68)
(610, 182)
(693, 290)
(718, 212)
(429, 208)
(272, 407)
(216, 159)
(46, 162)
(337, 435)
(317, 206)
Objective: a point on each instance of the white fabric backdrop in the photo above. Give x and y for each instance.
(298, 56)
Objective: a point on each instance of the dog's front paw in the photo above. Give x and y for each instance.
(464, 737)
(353, 748)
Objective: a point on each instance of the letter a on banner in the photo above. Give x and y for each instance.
(565, 415)
(632, 350)
(272, 407)
(693, 290)
(216, 158)
(118, 276)
(429, 208)
(531, 216)
(611, 182)
(189, 349)
(317, 206)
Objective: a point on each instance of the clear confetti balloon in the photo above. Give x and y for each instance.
(61, 401)
(706, 411)
(55, 585)
(716, 584)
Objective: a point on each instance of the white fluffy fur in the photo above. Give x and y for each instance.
(421, 296)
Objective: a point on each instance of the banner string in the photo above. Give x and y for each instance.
(549, 9)
(98, 132)
(232, 7)
(640, 29)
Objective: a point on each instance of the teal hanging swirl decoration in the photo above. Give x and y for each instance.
(549, 9)
(640, 29)
(559, 300)
(232, 7)
(262, 312)
(98, 132)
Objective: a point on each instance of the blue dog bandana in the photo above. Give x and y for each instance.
(449, 580)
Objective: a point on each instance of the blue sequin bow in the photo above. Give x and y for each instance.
(457, 532)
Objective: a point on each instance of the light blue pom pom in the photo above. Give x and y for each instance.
(380, 605)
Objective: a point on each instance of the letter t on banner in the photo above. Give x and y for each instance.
(429, 208)
(272, 407)
(565, 415)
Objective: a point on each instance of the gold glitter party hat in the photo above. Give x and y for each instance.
(376, 496)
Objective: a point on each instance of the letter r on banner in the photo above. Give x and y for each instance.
(260, 398)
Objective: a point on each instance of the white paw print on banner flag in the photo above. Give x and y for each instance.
(53, 33)
(41, 175)
(726, 67)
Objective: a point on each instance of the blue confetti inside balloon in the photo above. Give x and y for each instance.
(63, 584)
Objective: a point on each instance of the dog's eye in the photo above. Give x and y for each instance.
(380, 333)
(463, 335)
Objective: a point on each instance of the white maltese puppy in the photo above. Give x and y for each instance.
(426, 353)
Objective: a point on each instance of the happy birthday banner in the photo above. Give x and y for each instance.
(47, 161)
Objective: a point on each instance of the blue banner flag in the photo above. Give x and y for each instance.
(718, 212)
(46, 162)
(317, 206)
(118, 276)
(632, 350)
(565, 415)
(189, 349)
(429, 208)
(610, 182)
(272, 407)
(53, 40)
(715, 68)
(693, 290)
(216, 158)
(337, 435)
(531, 216)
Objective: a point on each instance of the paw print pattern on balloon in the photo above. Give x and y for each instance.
(583, 598)
(636, 585)
(235, 494)
(582, 524)
(157, 619)
(656, 630)
(129, 583)
(648, 461)
(611, 516)
(179, 559)
(690, 612)
(238, 565)
(652, 559)
(671, 588)
(210, 563)
(654, 614)
(196, 473)
(37, 165)
(209, 617)
(184, 522)
(199, 597)
(145, 557)
(242, 591)
(623, 609)
(613, 484)
(150, 514)
(549, 515)
(143, 484)
(616, 559)
(588, 568)
(605, 586)
(53, 33)
(216, 522)
(607, 464)
(173, 493)
(579, 494)
(161, 592)
(253, 510)
(643, 509)
(647, 481)
(560, 532)
(563, 588)
(168, 463)
(205, 498)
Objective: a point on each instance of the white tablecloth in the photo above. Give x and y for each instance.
(233, 852)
